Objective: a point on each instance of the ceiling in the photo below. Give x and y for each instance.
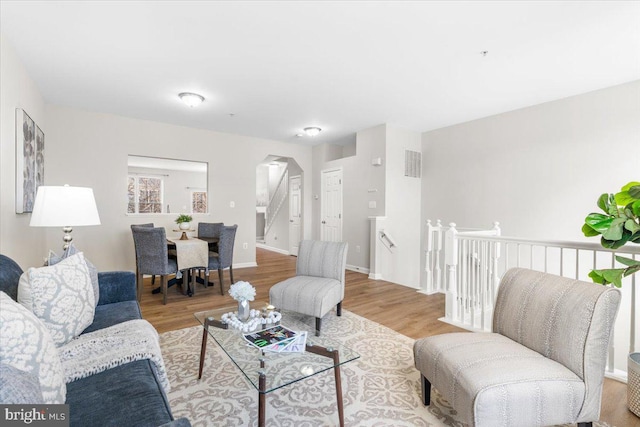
(270, 68)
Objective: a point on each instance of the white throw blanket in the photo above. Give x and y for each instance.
(116, 345)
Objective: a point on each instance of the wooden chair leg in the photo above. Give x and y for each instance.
(339, 309)
(153, 279)
(318, 325)
(426, 391)
(231, 275)
(165, 291)
(139, 279)
(220, 278)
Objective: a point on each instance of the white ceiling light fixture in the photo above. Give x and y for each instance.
(191, 99)
(312, 131)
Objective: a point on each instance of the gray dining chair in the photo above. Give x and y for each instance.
(319, 282)
(210, 230)
(224, 257)
(148, 225)
(152, 257)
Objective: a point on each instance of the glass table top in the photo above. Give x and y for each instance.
(280, 369)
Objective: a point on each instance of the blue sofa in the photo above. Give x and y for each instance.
(127, 395)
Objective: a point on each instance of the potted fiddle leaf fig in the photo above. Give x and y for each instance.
(618, 225)
(184, 221)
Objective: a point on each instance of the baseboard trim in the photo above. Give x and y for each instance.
(245, 264)
(272, 249)
(357, 269)
(375, 276)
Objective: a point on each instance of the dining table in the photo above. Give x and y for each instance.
(191, 254)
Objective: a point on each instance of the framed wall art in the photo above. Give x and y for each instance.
(29, 161)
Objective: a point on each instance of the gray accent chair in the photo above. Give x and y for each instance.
(152, 257)
(319, 282)
(543, 364)
(224, 257)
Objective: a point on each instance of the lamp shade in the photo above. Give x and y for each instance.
(60, 206)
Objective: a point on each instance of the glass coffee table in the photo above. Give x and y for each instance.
(268, 371)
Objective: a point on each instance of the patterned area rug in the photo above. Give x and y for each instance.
(382, 388)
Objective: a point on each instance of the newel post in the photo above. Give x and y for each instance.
(451, 264)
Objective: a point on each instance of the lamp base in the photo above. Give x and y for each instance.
(67, 237)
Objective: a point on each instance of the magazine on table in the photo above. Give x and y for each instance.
(275, 335)
(296, 344)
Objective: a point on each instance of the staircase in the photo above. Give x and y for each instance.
(276, 201)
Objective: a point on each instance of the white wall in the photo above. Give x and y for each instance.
(402, 209)
(359, 176)
(26, 245)
(90, 149)
(538, 170)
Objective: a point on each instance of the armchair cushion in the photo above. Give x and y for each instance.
(312, 296)
(483, 373)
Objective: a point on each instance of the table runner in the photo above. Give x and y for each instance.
(191, 253)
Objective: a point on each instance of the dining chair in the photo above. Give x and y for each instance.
(210, 230)
(152, 256)
(318, 285)
(224, 257)
(149, 224)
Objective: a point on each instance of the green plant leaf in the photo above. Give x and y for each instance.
(632, 226)
(588, 231)
(635, 208)
(598, 222)
(615, 244)
(634, 191)
(615, 230)
(630, 185)
(627, 261)
(596, 276)
(629, 194)
(613, 275)
(603, 202)
(631, 270)
(606, 276)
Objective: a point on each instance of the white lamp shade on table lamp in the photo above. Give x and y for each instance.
(64, 206)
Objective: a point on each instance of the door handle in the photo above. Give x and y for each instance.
(324, 222)
(290, 220)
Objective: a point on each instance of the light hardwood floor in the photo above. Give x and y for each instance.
(397, 307)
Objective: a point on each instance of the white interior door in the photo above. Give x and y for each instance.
(295, 213)
(331, 210)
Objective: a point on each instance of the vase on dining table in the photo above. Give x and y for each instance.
(243, 310)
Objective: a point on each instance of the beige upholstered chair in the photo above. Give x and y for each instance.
(542, 365)
(319, 282)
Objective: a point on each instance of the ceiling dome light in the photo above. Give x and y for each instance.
(191, 99)
(312, 131)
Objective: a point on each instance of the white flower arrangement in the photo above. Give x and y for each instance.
(242, 291)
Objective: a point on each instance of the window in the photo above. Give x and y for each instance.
(198, 201)
(145, 194)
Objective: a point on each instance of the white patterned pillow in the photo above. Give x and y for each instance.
(54, 258)
(25, 344)
(61, 296)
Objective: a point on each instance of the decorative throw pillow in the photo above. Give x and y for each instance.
(54, 258)
(25, 344)
(61, 296)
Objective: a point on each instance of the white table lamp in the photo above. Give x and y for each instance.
(65, 207)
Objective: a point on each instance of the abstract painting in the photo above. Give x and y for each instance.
(29, 161)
